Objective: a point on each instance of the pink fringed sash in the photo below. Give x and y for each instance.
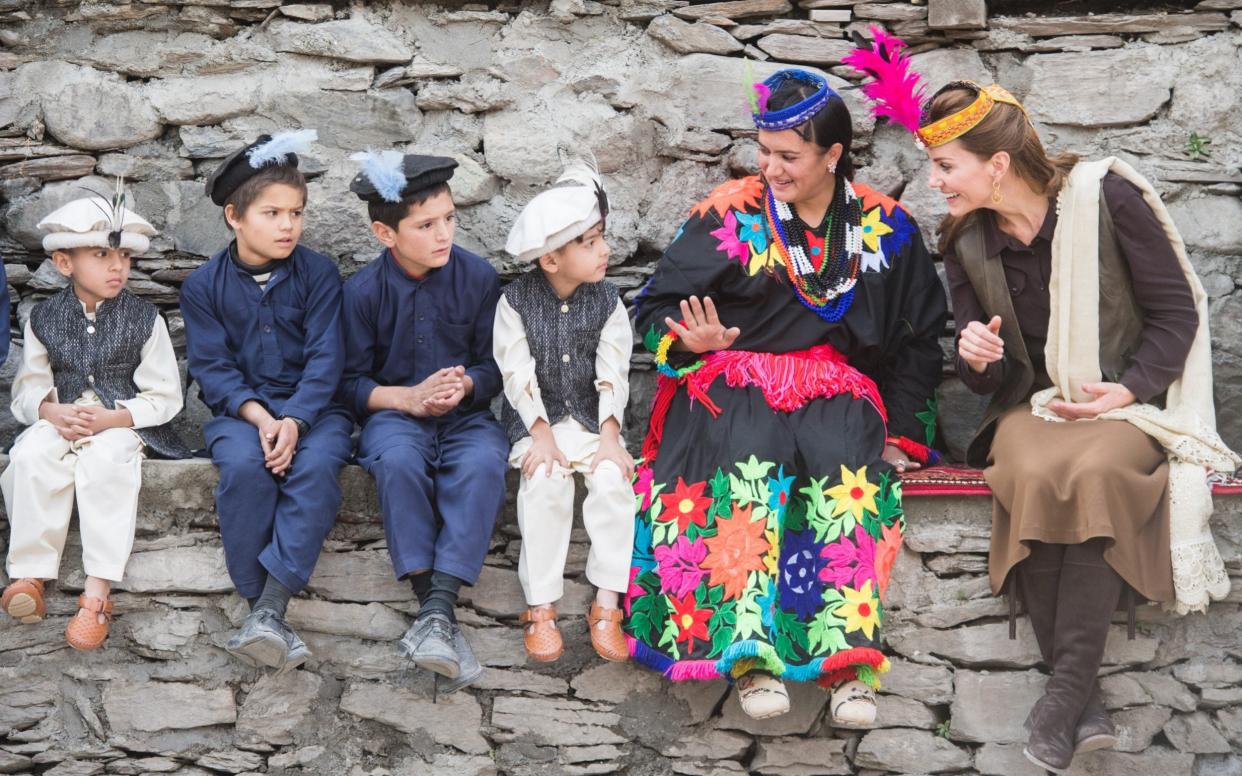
(788, 381)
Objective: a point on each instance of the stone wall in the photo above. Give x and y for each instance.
(160, 90)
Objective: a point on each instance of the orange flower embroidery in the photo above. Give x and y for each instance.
(737, 549)
(886, 551)
(871, 198)
(741, 194)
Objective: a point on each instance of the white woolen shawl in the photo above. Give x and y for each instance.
(1186, 427)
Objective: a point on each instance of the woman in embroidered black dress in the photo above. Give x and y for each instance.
(795, 320)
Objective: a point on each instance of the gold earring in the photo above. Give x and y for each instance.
(996, 195)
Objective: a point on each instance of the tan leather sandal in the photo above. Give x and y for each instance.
(606, 635)
(85, 631)
(23, 600)
(541, 636)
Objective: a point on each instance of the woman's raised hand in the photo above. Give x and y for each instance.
(702, 330)
(981, 344)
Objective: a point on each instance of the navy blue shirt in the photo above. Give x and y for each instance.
(281, 346)
(400, 329)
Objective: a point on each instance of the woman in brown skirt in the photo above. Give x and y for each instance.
(1081, 509)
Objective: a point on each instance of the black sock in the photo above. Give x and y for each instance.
(441, 595)
(275, 597)
(421, 582)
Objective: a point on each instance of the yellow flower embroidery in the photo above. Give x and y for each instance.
(854, 494)
(762, 261)
(873, 229)
(860, 610)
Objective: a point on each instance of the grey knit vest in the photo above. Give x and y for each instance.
(101, 355)
(563, 336)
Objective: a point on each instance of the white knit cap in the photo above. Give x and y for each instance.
(560, 214)
(87, 223)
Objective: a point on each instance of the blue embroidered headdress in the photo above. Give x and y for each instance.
(794, 115)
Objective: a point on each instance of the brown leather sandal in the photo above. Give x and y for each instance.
(541, 636)
(84, 630)
(608, 641)
(23, 600)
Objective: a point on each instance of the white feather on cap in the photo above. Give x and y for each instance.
(559, 214)
(87, 222)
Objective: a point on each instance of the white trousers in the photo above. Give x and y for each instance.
(44, 472)
(545, 513)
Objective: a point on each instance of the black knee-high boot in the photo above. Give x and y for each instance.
(1038, 580)
(1087, 595)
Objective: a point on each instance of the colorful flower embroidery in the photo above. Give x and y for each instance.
(691, 621)
(729, 242)
(860, 610)
(886, 551)
(873, 228)
(642, 487)
(753, 231)
(854, 494)
(778, 491)
(815, 249)
(740, 194)
(751, 568)
(687, 504)
(850, 562)
(800, 586)
(737, 549)
(680, 571)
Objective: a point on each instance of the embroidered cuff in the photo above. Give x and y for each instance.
(917, 452)
(661, 359)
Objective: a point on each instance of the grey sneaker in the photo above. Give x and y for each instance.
(261, 640)
(470, 668)
(296, 652)
(429, 643)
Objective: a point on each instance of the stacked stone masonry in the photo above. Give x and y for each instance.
(160, 90)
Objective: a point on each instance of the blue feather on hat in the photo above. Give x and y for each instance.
(385, 170)
(274, 151)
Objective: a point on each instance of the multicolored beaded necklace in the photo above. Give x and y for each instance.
(825, 284)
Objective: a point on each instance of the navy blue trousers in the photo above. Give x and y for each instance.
(276, 525)
(441, 485)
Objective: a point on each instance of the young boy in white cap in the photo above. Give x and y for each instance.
(98, 385)
(562, 340)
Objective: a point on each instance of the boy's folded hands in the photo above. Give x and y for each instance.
(77, 421)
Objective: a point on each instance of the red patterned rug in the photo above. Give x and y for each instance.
(964, 481)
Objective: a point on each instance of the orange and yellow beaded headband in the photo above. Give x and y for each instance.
(955, 125)
(896, 90)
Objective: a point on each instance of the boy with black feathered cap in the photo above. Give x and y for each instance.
(263, 340)
(420, 377)
(98, 386)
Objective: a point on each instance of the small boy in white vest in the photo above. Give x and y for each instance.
(98, 386)
(563, 342)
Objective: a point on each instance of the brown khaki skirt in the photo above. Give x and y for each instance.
(1065, 483)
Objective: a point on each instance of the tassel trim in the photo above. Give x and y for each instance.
(788, 381)
(922, 453)
(862, 663)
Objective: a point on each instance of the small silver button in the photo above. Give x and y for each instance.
(564, 308)
(565, 358)
(267, 329)
(90, 329)
(90, 379)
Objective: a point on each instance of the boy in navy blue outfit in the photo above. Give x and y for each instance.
(264, 342)
(420, 376)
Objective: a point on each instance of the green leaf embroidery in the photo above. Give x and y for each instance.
(754, 469)
(928, 418)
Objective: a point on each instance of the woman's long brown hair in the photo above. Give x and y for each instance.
(1005, 128)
